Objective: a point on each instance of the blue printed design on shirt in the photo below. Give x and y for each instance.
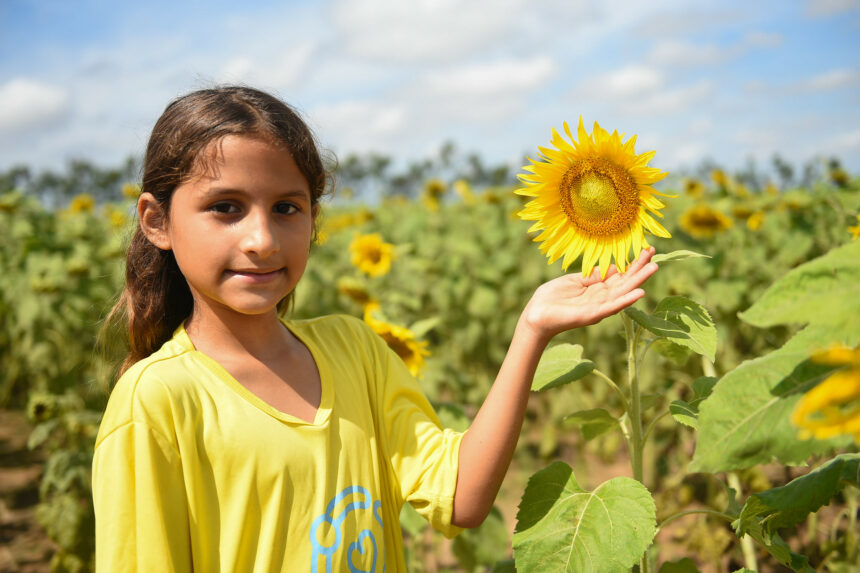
(352, 498)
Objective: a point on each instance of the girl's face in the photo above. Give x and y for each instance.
(241, 233)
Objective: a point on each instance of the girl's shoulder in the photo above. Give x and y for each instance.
(145, 393)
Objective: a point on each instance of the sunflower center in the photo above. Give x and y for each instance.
(373, 255)
(599, 197)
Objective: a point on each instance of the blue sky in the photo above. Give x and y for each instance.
(718, 80)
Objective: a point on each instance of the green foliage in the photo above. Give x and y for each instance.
(560, 365)
(745, 421)
(562, 527)
(767, 512)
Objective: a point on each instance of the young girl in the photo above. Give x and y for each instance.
(236, 440)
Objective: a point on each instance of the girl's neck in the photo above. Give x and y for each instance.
(230, 334)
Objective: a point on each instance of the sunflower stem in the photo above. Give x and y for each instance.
(637, 444)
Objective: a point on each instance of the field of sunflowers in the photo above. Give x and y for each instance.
(710, 427)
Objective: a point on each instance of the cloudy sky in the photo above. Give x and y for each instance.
(724, 80)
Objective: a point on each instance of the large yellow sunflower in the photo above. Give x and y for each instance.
(371, 254)
(592, 197)
(833, 407)
(400, 339)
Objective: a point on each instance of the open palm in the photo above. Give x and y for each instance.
(572, 300)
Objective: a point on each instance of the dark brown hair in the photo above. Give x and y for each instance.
(156, 298)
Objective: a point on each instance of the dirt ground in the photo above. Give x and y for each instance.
(24, 547)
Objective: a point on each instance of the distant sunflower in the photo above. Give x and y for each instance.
(833, 407)
(703, 222)
(371, 254)
(694, 188)
(855, 231)
(592, 197)
(400, 339)
(432, 193)
(83, 203)
(755, 221)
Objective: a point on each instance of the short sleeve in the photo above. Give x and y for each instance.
(140, 506)
(424, 456)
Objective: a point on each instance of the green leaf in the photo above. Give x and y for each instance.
(694, 320)
(788, 505)
(593, 422)
(685, 413)
(674, 352)
(746, 420)
(420, 328)
(677, 256)
(825, 289)
(681, 321)
(562, 527)
(685, 565)
(480, 547)
(560, 365)
(452, 416)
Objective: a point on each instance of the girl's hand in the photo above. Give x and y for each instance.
(571, 301)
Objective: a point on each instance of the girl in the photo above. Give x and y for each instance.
(238, 441)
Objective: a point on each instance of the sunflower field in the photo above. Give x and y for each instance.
(712, 426)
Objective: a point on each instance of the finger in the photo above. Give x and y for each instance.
(638, 277)
(643, 258)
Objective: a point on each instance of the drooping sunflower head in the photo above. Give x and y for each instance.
(400, 339)
(703, 221)
(833, 407)
(371, 254)
(855, 231)
(592, 197)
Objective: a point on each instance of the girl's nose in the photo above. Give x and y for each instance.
(259, 236)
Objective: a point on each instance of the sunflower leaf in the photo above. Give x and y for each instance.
(681, 321)
(677, 256)
(563, 527)
(822, 290)
(560, 365)
(593, 423)
(788, 505)
(746, 419)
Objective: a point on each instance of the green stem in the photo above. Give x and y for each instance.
(615, 387)
(637, 444)
(675, 516)
(747, 546)
(652, 424)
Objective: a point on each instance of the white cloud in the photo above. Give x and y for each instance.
(27, 104)
(359, 125)
(625, 83)
(679, 53)
(823, 8)
(495, 79)
(831, 80)
(422, 30)
(675, 100)
(283, 71)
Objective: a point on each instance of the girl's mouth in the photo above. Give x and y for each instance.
(257, 276)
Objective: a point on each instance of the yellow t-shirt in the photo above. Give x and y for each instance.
(193, 472)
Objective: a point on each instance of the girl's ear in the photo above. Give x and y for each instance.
(153, 221)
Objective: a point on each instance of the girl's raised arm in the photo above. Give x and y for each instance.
(562, 304)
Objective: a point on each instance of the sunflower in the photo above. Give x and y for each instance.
(592, 198)
(82, 203)
(755, 221)
(371, 254)
(855, 231)
(355, 290)
(833, 407)
(702, 221)
(694, 188)
(401, 340)
(431, 195)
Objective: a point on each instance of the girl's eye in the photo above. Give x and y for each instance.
(285, 208)
(225, 208)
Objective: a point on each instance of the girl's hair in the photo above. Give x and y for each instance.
(156, 298)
